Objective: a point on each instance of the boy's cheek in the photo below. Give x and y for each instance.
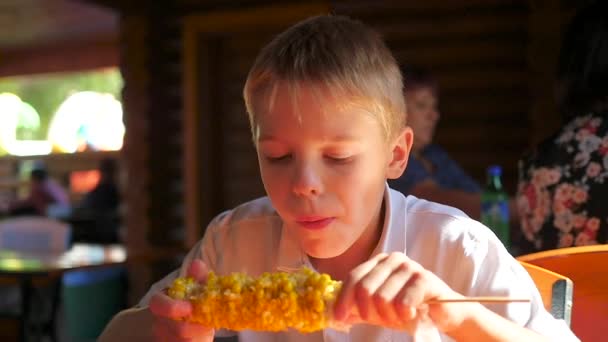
(271, 175)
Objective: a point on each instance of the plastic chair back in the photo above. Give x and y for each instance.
(555, 290)
(587, 267)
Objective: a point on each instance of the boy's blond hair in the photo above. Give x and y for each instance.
(337, 57)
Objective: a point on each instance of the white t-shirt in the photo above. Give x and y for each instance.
(462, 252)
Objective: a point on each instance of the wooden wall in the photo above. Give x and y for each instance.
(478, 52)
(151, 54)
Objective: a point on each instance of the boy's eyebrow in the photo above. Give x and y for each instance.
(335, 139)
(266, 138)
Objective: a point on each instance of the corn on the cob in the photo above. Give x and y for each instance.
(271, 302)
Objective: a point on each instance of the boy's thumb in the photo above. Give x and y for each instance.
(198, 270)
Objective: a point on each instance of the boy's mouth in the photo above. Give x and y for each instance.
(314, 222)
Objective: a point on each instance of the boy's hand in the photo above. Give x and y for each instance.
(166, 310)
(393, 291)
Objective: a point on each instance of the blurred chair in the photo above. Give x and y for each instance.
(555, 290)
(90, 299)
(35, 234)
(587, 267)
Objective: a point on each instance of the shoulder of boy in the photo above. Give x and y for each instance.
(239, 238)
(446, 226)
(250, 214)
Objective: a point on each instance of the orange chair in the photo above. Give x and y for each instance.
(555, 290)
(587, 267)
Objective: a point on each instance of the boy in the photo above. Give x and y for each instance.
(328, 120)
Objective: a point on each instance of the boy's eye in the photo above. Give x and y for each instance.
(273, 159)
(339, 159)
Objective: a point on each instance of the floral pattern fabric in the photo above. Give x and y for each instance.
(562, 195)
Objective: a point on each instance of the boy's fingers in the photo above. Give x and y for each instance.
(194, 331)
(390, 290)
(368, 294)
(186, 330)
(166, 329)
(362, 300)
(198, 270)
(164, 306)
(394, 285)
(379, 274)
(346, 299)
(410, 297)
(162, 334)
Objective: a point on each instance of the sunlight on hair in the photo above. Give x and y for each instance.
(359, 70)
(342, 98)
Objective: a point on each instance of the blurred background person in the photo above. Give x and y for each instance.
(43, 193)
(563, 182)
(431, 173)
(104, 197)
(96, 217)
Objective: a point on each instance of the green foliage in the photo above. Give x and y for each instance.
(46, 92)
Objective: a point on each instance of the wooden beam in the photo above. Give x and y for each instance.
(70, 56)
(199, 143)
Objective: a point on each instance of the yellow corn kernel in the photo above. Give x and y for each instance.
(271, 302)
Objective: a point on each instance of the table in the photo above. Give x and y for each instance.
(25, 266)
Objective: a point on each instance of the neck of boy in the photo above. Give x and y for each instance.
(339, 267)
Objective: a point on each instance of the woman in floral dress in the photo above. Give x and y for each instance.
(562, 196)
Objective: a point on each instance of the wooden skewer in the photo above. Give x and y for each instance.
(479, 300)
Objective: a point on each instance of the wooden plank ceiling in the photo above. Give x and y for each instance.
(37, 35)
(28, 23)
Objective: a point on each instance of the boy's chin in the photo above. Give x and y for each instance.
(322, 251)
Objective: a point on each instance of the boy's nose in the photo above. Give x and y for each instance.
(307, 182)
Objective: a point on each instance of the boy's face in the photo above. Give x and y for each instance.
(324, 168)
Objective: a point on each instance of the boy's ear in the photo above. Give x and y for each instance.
(400, 153)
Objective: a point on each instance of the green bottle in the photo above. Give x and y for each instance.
(495, 205)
